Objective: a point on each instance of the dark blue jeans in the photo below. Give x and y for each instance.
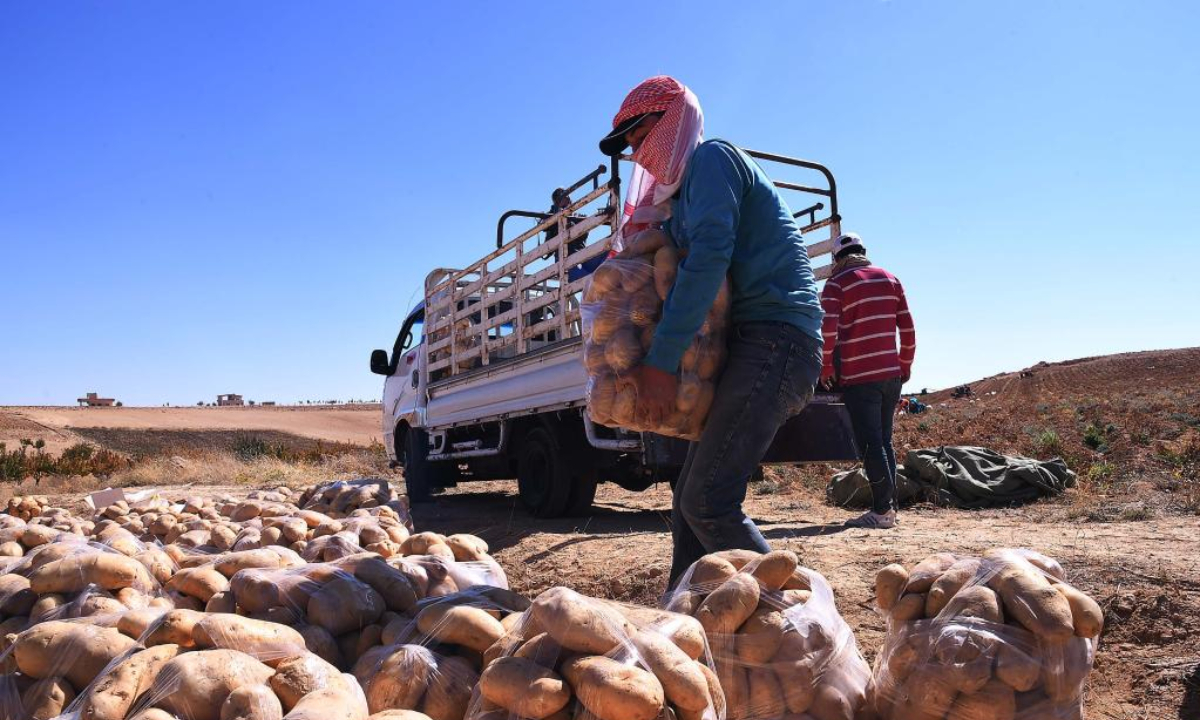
(768, 378)
(872, 407)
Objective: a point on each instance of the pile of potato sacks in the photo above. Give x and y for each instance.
(997, 637)
(621, 308)
(780, 648)
(260, 609)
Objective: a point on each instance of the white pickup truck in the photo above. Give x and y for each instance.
(486, 380)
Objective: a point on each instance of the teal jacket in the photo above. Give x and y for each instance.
(731, 219)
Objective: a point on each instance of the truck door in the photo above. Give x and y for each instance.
(404, 389)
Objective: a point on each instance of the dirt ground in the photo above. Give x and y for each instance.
(1145, 574)
(353, 424)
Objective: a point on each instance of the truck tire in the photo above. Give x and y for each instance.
(420, 475)
(543, 478)
(583, 493)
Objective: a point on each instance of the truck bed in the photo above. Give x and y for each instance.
(548, 378)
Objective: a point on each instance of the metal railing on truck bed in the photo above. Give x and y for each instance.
(526, 293)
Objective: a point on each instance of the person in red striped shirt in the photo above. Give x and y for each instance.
(865, 312)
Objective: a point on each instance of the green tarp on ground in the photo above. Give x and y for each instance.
(960, 476)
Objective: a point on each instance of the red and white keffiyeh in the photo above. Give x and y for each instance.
(662, 157)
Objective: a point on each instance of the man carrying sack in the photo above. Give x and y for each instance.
(719, 206)
(865, 310)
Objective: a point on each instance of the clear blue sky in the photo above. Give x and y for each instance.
(209, 197)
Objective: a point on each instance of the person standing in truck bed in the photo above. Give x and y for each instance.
(719, 205)
(865, 311)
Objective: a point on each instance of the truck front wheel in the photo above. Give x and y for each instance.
(548, 486)
(420, 475)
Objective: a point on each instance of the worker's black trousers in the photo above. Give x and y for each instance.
(872, 407)
(772, 370)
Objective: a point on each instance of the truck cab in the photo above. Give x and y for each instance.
(485, 379)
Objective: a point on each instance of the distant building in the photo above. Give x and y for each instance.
(94, 400)
(268, 403)
(230, 400)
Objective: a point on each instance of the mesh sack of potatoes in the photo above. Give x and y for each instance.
(182, 664)
(74, 579)
(18, 538)
(339, 498)
(574, 656)
(997, 637)
(779, 646)
(620, 310)
(430, 660)
(342, 607)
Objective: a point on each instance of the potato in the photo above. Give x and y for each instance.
(611, 690)
(201, 582)
(1030, 598)
(623, 350)
(646, 242)
(194, 685)
(765, 698)
(345, 604)
(1065, 666)
(758, 638)
(399, 715)
(927, 571)
(74, 650)
(460, 625)
(687, 395)
(393, 586)
(1016, 668)
(593, 359)
(976, 601)
(297, 676)
(106, 570)
(16, 597)
(47, 698)
(450, 689)
(730, 605)
(949, 583)
(924, 696)
(889, 582)
(636, 273)
(606, 279)
(910, 606)
(251, 702)
(321, 643)
(775, 568)
(1086, 616)
(994, 701)
(578, 623)
(605, 322)
(682, 680)
(644, 308)
(524, 688)
(115, 692)
(265, 641)
(341, 700)
(666, 265)
(401, 679)
(711, 357)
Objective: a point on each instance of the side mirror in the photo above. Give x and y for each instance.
(379, 363)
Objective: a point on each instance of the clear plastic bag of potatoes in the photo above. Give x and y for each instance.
(72, 578)
(570, 655)
(779, 645)
(430, 660)
(178, 664)
(997, 637)
(621, 308)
